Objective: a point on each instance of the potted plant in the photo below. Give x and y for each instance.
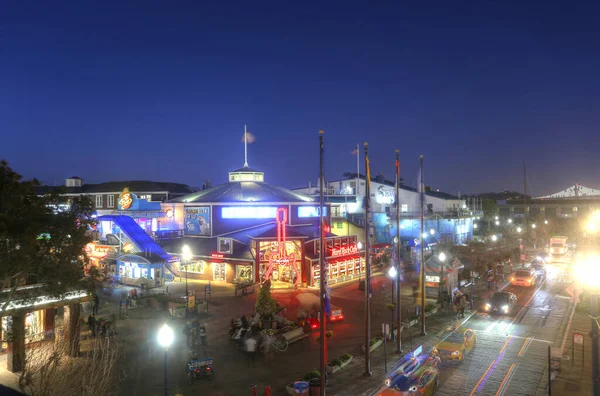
(314, 381)
(430, 308)
(346, 359)
(391, 306)
(334, 365)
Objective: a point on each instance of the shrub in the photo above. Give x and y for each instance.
(312, 375)
(329, 334)
(374, 341)
(430, 306)
(335, 362)
(346, 356)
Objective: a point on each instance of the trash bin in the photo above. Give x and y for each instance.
(300, 388)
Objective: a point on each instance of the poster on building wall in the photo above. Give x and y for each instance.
(197, 220)
(196, 267)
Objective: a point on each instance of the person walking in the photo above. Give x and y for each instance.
(95, 304)
(92, 324)
(202, 334)
(462, 304)
(251, 350)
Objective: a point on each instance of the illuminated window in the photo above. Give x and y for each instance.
(404, 208)
(225, 245)
(310, 211)
(574, 208)
(147, 196)
(110, 201)
(98, 201)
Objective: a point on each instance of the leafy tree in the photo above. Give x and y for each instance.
(42, 239)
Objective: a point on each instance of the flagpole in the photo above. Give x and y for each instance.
(323, 273)
(422, 268)
(357, 171)
(398, 260)
(367, 266)
(245, 147)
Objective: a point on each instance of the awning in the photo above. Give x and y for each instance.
(137, 259)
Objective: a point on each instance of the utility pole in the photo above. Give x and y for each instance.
(367, 266)
(398, 258)
(595, 357)
(422, 267)
(323, 273)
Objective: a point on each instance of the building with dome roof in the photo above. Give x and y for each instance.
(247, 230)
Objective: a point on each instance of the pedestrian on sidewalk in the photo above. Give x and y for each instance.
(202, 333)
(92, 324)
(187, 330)
(251, 350)
(96, 303)
(462, 304)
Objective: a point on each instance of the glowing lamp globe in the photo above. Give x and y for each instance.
(392, 272)
(165, 336)
(442, 256)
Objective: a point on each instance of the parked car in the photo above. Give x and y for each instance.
(501, 302)
(524, 277)
(412, 375)
(454, 343)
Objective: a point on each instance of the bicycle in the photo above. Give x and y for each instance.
(279, 343)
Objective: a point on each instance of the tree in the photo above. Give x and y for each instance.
(50, 370)
(42, 239)
(266, 305)
(490, 211)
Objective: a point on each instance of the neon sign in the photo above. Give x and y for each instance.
(217, 255)
(281, 257)
(249, 212)
(126, 199)
(344, 251)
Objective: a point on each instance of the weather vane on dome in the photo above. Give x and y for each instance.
(247, 138)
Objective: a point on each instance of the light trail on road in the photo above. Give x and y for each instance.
(491, 368)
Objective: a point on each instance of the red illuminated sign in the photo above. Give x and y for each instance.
(281, 257)
(217, 255)
(344, 251)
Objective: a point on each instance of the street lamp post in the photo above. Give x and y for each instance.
(392, 273)
(441, 258)
(186, 255)
(165, 339)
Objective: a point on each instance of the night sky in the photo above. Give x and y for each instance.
(159, 90)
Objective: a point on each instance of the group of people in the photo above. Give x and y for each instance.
(98, 326)
(460, 301)
(194, 331)
(240, 331)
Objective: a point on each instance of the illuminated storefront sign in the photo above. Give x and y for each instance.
(197, 220)
(94, 250)
(344, 251)
(169, 213)
(432, 278)
(311, 211)
(249, 212)
(126, 199)
(280, 257)
(217, 255)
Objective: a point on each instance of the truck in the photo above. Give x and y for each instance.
(558, 247)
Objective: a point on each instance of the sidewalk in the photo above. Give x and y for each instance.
(575, 376)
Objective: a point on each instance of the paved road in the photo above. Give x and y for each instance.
(511, 352)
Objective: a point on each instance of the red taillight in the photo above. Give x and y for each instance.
(208, 369)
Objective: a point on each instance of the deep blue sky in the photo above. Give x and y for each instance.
(161, 90)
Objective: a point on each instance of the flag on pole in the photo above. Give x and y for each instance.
(355, 151)
(368, 170)
(397, 167)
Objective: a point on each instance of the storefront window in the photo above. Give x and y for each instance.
(220, 270)
(193, 266)
(243, 272)
(284, 271)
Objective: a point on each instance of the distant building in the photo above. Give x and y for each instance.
(447, 217)
(572, 203)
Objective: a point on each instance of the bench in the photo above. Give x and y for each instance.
(294, 335)
(244, 290)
